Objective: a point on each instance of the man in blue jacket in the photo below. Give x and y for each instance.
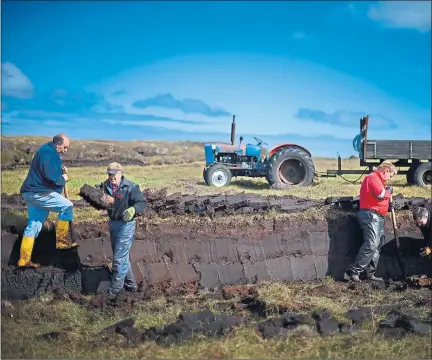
(126, 200)
(41, 191)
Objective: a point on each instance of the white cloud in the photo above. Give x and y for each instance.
(15, 83)
(402, 14)
(265, 93)
(298, 35)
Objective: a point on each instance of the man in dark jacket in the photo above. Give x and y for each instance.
(422, 218)
(41, 191)
(126, 201)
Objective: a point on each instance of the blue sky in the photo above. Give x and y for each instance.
(302, 72)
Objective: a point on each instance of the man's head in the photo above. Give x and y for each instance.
(387, 170)
(115, 173)
(61, 142)
(420, 216)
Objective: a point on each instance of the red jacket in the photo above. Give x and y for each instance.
(373, 195)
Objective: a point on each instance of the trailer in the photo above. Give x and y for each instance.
(413, 155)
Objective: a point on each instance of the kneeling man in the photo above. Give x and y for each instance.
(422, 218)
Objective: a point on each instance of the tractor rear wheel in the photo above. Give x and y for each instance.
(423, 174)
(217, 175)
(290, 166)
(410, 174)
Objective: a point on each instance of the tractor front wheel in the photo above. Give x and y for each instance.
(290, 166)
(217, 175)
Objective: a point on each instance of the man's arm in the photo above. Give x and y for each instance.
(52, 170)
(378, 189)
(138, 200)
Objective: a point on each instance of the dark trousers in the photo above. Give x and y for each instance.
(367, 258)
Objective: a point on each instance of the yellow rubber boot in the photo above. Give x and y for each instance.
(63, 236)
(26, 250)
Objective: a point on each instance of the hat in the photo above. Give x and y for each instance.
(113, 168)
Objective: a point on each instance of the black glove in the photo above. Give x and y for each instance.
(389, 188)
(390, 208)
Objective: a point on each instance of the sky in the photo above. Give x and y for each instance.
(299, 72)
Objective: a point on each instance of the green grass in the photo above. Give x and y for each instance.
(84, 341)
(187, 178)
(33, 317)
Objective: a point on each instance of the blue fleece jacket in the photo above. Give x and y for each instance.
(45, 174)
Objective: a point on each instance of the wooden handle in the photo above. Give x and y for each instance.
(66, 191)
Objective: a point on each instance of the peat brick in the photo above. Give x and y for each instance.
(223, 250)
(280, 269)
(232, 274)
(183, 273)
(145, 250)
(303, 268)
(208, 273)
(256, 272)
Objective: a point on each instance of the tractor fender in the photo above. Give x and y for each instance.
(278, 147)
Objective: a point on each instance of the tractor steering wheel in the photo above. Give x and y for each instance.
(260, 141)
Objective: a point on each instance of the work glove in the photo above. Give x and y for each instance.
(64, 170)
(390, 208)
(129, 214)
(389, 188)
(425, 251)
(107, 199)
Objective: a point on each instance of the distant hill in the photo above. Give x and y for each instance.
(17, 152)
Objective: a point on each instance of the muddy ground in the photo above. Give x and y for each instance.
(245, 305)
(211, 253)
(162, 204)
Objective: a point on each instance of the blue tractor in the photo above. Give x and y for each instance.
(283, 166)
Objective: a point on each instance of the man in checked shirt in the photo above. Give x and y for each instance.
(374, 204)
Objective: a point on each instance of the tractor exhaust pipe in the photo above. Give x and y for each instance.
(233, 131)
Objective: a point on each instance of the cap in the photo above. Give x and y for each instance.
(113, 168)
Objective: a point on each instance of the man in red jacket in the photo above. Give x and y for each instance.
(374, 205)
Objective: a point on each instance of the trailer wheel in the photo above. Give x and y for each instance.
(217, 175)
(290, 166)
(410, 174)
(423, 174)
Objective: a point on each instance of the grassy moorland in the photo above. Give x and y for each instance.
(17, 151)
(82, 340)
(187, 178)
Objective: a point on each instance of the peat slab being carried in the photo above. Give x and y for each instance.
(210, 254)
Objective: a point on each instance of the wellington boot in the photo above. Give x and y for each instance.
(26, 250)
(64, 236)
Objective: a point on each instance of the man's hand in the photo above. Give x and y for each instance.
(425, 251)
(390, 208)
(129, 214)
(389, 188)
(107, 199)
(103, 213)
(65, 177)
(64, 170)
